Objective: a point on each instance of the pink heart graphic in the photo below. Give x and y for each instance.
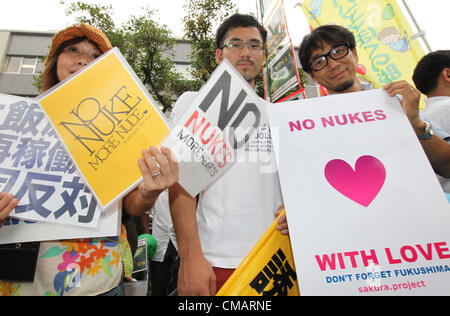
(361, 185)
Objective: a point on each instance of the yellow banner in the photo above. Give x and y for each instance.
(385, 48)
(106, 118)
(268, 270)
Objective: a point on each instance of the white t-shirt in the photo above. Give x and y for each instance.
(438, 110)
(234, 212)
(162, 226)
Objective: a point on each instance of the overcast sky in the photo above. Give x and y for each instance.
(45, 15)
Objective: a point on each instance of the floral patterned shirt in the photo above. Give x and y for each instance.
(75, 267)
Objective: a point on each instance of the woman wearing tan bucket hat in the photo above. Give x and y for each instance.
(94, 266)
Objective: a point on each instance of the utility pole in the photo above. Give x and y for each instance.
(420, 33)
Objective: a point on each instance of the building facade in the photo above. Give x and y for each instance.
(21, 59)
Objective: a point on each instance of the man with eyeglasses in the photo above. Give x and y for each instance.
(328, 54)
(215, 234)
(243, 47)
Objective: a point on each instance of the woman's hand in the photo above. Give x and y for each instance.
(159, 170)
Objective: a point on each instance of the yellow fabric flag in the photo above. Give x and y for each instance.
(268, 270)
(386, 49)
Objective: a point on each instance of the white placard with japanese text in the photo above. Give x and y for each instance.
(16, 231)
(36, 168)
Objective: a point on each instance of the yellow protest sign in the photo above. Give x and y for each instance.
(385, 42)
(268, 270)
(105, 117)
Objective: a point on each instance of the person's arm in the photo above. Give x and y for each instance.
(436, 149)
(159, 171)
(195, 276)
(145, 224)
(7, 204)
(439, 151)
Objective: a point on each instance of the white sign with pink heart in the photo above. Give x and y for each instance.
(365, 211)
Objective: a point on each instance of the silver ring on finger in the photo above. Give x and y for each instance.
(156, 175)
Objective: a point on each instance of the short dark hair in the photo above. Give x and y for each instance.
(331, 34)
(428, 70)
(238, 20)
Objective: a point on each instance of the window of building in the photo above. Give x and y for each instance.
(21, 65)
(13, 64)
(184, 70)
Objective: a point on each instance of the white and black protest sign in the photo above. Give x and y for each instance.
(211, 135)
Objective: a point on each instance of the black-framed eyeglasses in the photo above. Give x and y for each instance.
(339, 51)
(236, 44)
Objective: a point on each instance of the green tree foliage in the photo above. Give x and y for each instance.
(202, 19)
(200, 23)
(147, 46)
